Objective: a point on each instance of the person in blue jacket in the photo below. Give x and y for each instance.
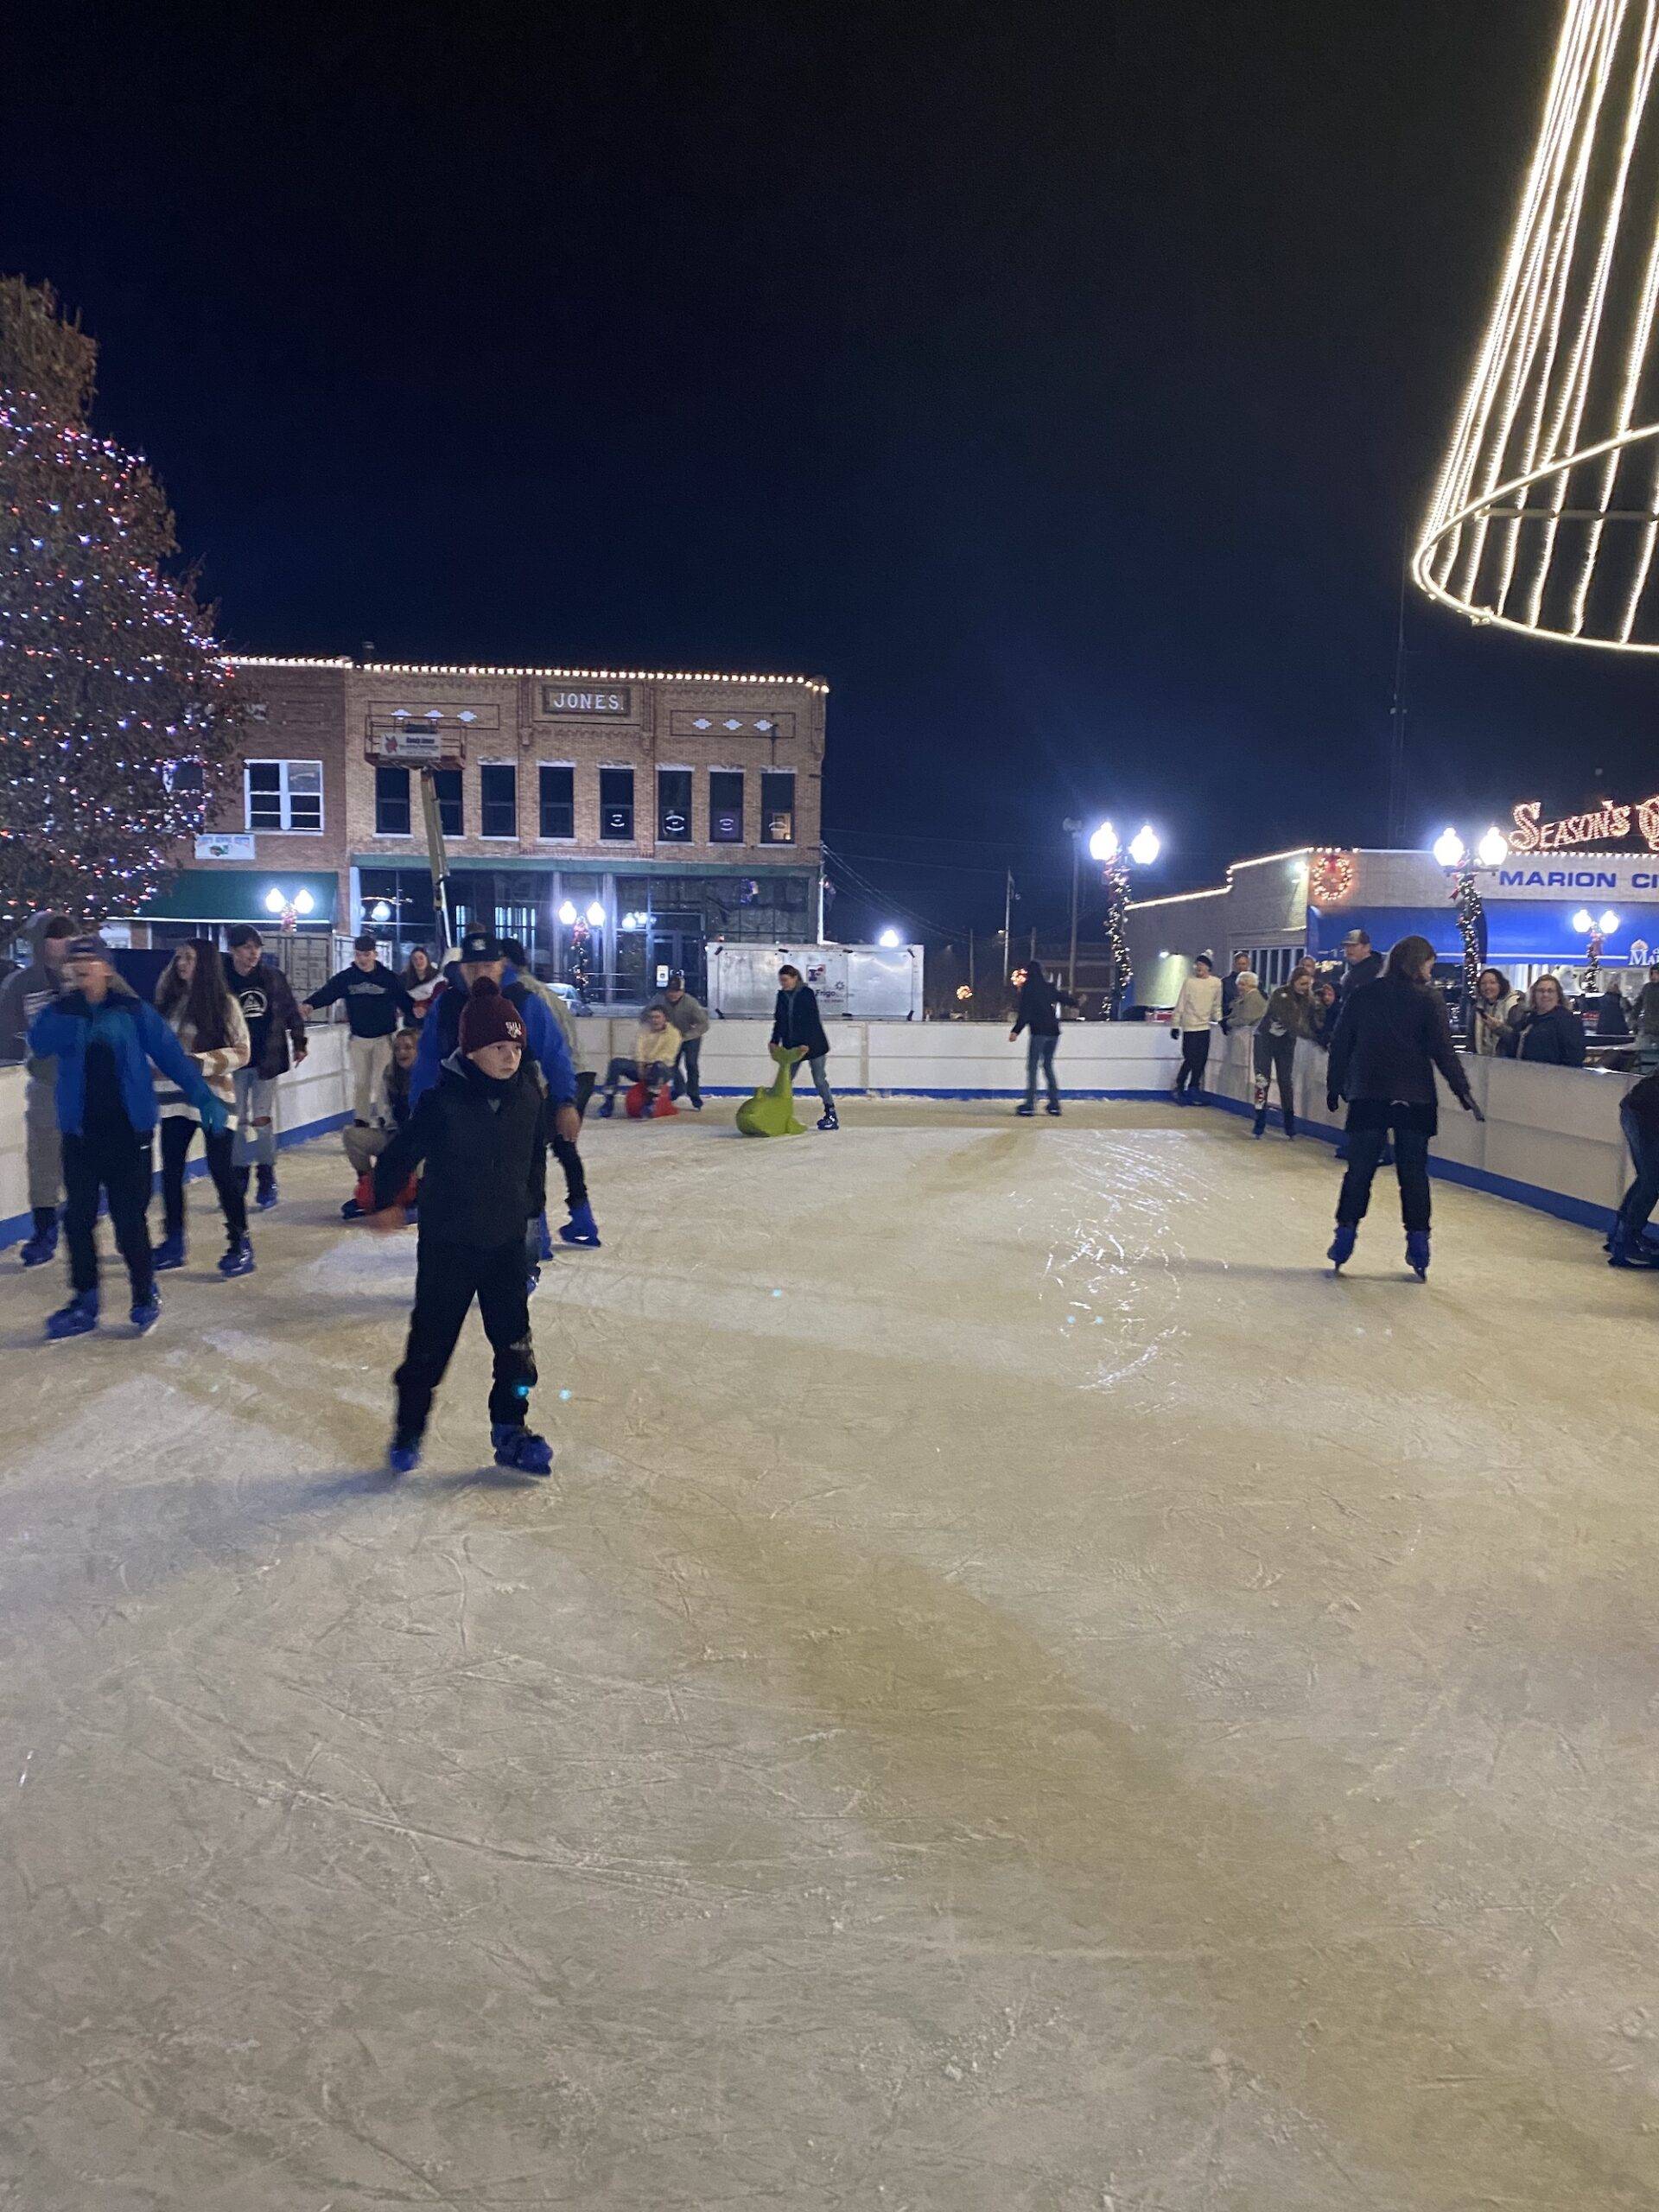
(482, 954)
(104, 1040)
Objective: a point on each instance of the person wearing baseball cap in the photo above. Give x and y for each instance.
(375, 1003)
(480, 1135)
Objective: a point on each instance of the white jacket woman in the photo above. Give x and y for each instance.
(1489, 1013)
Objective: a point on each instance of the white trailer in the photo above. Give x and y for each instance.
(855, 982)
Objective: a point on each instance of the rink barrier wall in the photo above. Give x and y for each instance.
(1551, 1139)
(311, 1100)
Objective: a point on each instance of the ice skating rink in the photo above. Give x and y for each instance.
(1023, 1695)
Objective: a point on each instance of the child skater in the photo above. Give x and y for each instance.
(481, 1131)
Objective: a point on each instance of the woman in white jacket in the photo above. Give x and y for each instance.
(1197, 1013)
(194, 1000)
(1489, 1013)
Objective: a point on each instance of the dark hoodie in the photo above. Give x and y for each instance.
(22, 996)
(1039, 1002)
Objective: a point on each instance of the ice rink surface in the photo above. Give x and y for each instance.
(1023, 1692)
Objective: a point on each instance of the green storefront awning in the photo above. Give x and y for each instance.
(235, 894)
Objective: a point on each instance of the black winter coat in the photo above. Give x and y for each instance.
(1556, 1039)
(796, 1021)
(1038, 1009)
(276, 1025)
(1368, 970)
(485, 1147)
(1389, 1039)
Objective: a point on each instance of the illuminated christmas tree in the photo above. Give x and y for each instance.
(118, 716)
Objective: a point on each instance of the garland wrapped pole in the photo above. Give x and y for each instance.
(1117, 941)
(118, 716)
(1471, 924)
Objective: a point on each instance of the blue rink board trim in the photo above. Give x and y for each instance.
(15, 1227)
(806, 1094)
(1579, 1211)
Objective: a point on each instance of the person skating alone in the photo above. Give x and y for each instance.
(581, 1228)
(375, 1002)
(105, 1040)
(364, 1147)
(796, 1021)
(688, 1019)
(1288, 1014)
(22, 996)
(484, 959)
(276, 1042)
(1198, 1015)
(1391, 1037)
(479, 1137)
(1638, 1117)
(1037, 1013)
(194, 1000)
(656, 1048)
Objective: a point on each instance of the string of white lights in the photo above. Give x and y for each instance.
(1526, 528)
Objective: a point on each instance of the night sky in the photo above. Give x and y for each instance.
(1061, 381)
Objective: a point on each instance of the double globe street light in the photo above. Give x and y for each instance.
(1116, 861)
(1451, 852)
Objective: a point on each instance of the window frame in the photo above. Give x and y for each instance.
(283, 827)
(497, 836)
(780, 775)
(631, 835)
(394, 767)
(543, 835)
(742, 837)
(663, 837)
(459, 780)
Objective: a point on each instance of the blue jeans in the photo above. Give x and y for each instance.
(1040, 1053)
(1639, 1200)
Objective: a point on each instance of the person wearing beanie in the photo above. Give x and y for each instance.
(479, 1136)
(105, 1040)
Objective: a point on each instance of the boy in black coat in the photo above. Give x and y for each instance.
(481, 1131)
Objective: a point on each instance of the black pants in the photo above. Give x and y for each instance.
(1275, 1062)
(447, 1279)
(1195, 1058)
(177, 1133)
(564, 1151)
(1370, 1122)
(688, 1070)
(117, 1160)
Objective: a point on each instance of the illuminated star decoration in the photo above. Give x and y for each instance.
(1545, 518)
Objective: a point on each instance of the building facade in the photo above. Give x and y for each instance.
(615, 820)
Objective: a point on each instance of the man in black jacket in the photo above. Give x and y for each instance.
(275, 1042)
(796, 1021)
(481, 1131)
(1391, 1037)
(375, 1002)
(1038, 1012)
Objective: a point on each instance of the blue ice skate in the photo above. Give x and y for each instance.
(170, 1252)
(1342, 1246)
(520, 1449)
(77, 1318)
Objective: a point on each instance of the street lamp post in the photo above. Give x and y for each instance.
(1595, 930)
(1143, 849)
(1451, 851)
(1074, 831)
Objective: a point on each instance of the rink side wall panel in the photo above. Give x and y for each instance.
(311, 1100)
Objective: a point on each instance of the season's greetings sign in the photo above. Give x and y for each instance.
(1601, 825)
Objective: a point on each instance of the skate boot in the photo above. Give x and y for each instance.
(532, 1281)
(44, 1242)
(606, 1106)
(403, 1454)
(830, 1120)
(75, 1319)
(264, 1186)
(1290, 1128)
(1026, 1111)
(170, 1252)
(1259, 1126)
(1417, 1252)
(146, 1312)
(581, 1228)
(1342, 1246)
(239, 1260)
(519, 1448)
(1053, 1107)
(351, 1211)
(1624, 1251)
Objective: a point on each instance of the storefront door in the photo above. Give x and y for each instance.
(676, 943)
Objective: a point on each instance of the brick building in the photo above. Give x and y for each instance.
(680, 807)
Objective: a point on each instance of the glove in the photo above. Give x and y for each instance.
(1332, 1101)
(1470, 1107)
(215, 1116)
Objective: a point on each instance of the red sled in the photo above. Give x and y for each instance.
(406, 1196)
(635, 1103)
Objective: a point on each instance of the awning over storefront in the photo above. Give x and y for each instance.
(1521, 930)
(202, 894)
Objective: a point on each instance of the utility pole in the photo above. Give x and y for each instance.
(970, 960)
(1397, 737)
(1076, 830)
(1008, 925)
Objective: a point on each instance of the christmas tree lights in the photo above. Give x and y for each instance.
(118, 714)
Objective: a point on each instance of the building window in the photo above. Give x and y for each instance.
(184, 778)
(285, 795)
(674, 806)
(446, 784)
(726, 806)
(558, 802)
(616, 805)
(777, 807)
(498, 793)
(392, 817)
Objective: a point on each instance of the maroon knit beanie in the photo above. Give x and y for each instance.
(489, 1018)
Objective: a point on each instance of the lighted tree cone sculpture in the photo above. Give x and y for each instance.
(771, 1112)
(1545, 518)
